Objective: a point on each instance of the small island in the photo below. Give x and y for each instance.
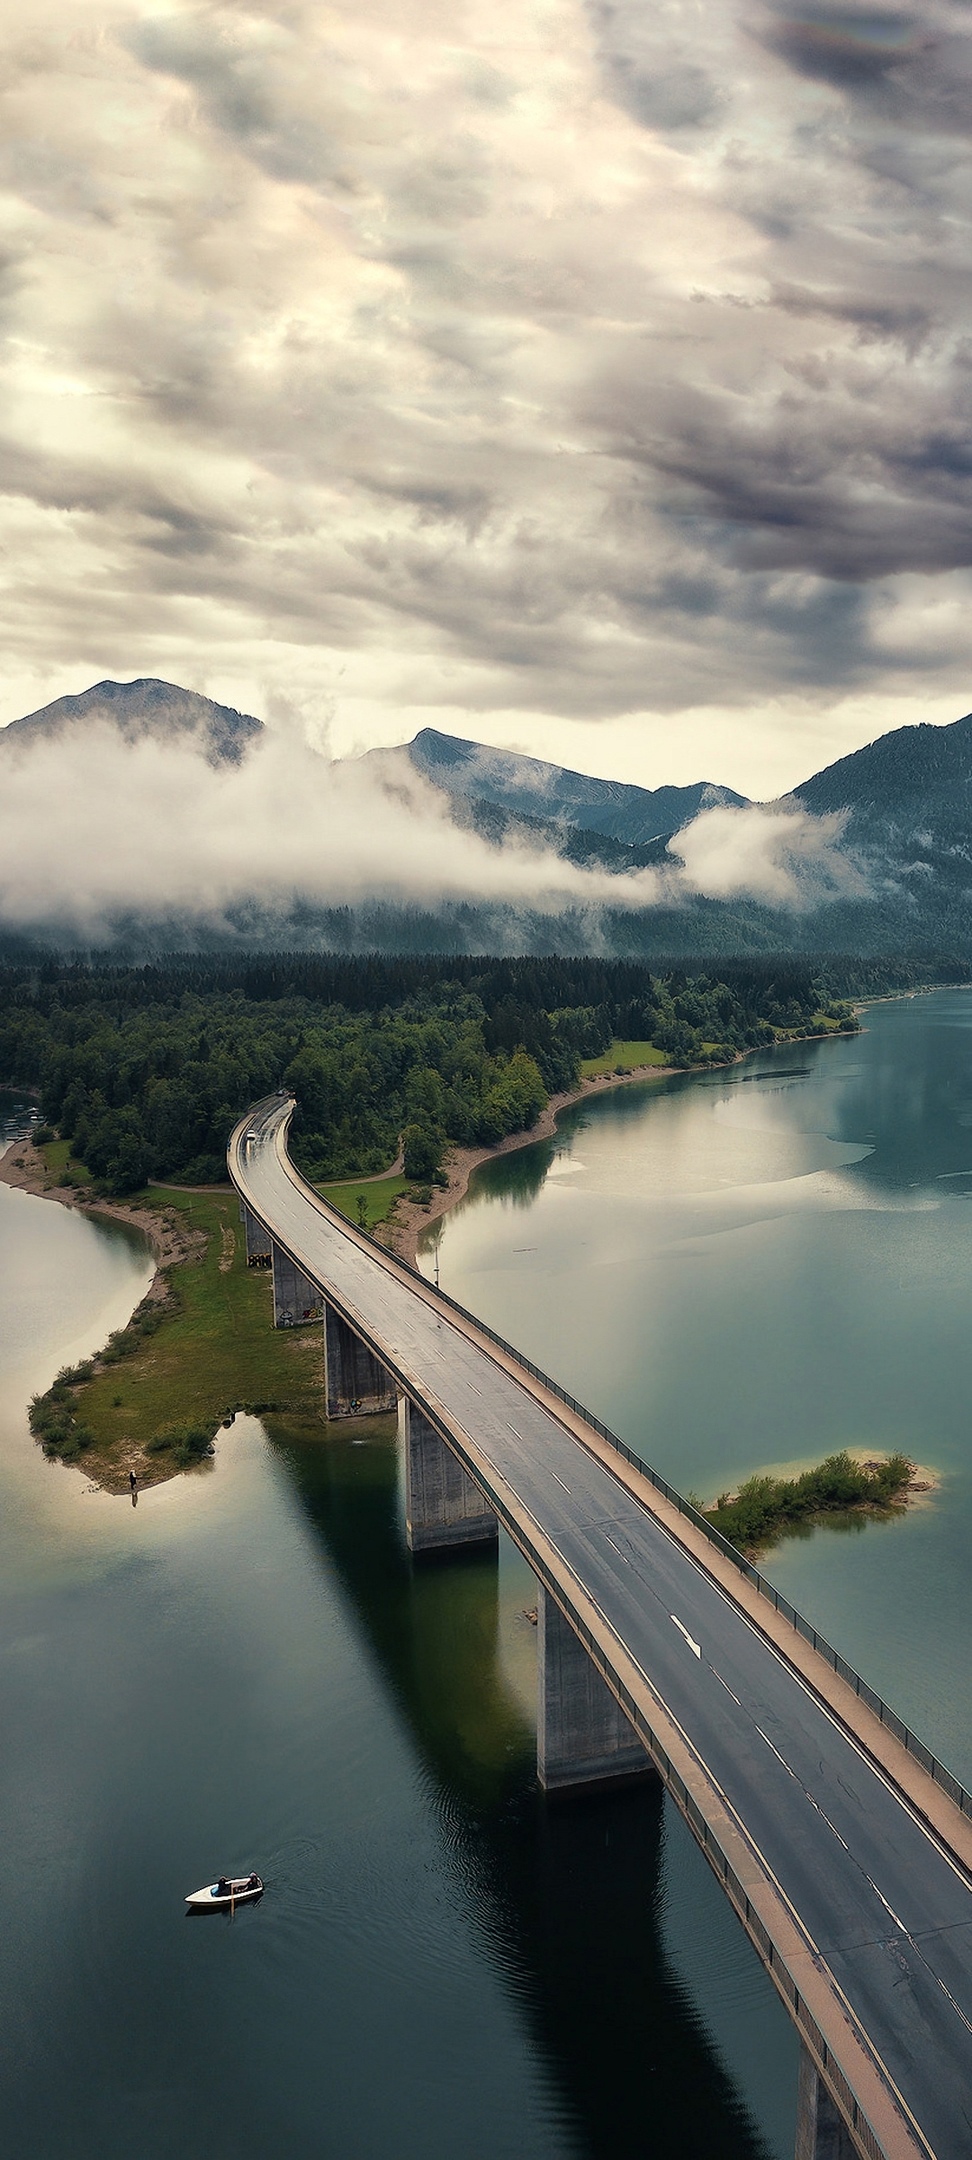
(766, 1509)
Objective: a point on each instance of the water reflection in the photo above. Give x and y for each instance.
(568, 1897)
(748, 1270)
(245, 1671)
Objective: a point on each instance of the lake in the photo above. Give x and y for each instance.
(246, 1670)
(749, 1269)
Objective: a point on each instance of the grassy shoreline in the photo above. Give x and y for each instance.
(202, 1344)
(198, 1347)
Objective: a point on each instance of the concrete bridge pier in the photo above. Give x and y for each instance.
(822, 2133)
(295, 1300)
(583, 1736)
(443, 1508)
(259, 1244)
(356, 1384)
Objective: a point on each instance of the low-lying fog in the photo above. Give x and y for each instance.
(92, 828)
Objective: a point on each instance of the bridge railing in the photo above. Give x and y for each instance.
(888, 1717)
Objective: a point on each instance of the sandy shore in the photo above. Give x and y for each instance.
(405, 1228)
(23, 1166)
(402, 1233)
(170, 1238)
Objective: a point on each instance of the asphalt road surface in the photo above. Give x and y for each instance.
(886, 1905)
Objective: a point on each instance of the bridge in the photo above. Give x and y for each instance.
(844, 1847)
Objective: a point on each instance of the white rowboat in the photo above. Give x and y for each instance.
(221, 1896)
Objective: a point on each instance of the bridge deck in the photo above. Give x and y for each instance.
(875, 1906)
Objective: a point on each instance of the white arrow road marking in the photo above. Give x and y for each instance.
(683, 1630)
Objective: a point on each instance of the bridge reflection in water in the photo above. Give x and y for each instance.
(847, 1857)
(571, 1899)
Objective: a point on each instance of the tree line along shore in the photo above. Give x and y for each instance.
(143, 1070)
(454, 1068)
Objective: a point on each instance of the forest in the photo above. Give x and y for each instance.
(146, 1068)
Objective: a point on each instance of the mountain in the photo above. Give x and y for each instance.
(140, 710)
(901, 781)
(530, 788)
(908, 799)
(573, 843)
(906, 845)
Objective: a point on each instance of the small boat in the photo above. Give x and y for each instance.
(223, 1895)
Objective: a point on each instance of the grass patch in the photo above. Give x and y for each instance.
(765, 1508)
(60, 1165)
(185, 1443)
(378, 1198)
(622, 1057)
(172, 1375)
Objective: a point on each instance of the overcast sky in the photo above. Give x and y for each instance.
(592, 377)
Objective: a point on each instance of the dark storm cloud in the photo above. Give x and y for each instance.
(912, 66)
(651, 64)
(878, 321)
(244, 89)
(853, 47)
(860, 501)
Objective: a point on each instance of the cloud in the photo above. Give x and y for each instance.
(777, 854)
(95, 830)
(96, 833)
(589, 366)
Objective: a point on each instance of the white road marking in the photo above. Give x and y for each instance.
(766, 1645)
(560, 1481)
(683, 1630)
(621, 1555)
(775, 1751)
(513, 1430)
(727, 1687)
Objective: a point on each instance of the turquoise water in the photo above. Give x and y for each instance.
(246, 1670)
(735, 1270)
(749, 1269)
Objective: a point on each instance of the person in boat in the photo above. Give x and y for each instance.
(253, 1883)
(222, 1887)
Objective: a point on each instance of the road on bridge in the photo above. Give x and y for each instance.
(884, 1901)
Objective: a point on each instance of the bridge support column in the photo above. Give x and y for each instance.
(821, 2131)
(295, 1300)
(259, 1244)
(583, 1737)
(356, 1384)
(443, 1508)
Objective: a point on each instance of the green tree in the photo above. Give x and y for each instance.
(422, 1152)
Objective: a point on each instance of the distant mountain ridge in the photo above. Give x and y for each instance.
(146, 708)
(897, 775)
(530, 787)
(906, 798)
